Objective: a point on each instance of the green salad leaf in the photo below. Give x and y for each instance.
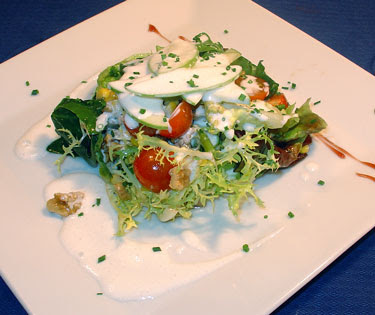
(75, 122)
(298, 128)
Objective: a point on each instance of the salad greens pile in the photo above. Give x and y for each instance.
(229, 143)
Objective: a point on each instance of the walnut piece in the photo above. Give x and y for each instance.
(65, 204)
(180, 178)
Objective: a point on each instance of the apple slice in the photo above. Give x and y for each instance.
(222, 59)
(193, 98)
(184, 80)
(179, 53)
(148, 111)
(230, 93)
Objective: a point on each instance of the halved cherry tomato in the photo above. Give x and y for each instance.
(256, 88)
(151, 173)
(277, 100)
(180, 121)
(148, 131)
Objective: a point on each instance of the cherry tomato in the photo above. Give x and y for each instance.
(180, 121)
(255, 87)
(148, 131)
(278, 99)
(150, 172)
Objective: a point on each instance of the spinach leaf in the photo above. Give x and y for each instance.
(75, 122)
(257, 71)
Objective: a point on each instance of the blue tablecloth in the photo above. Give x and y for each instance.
(348, 26)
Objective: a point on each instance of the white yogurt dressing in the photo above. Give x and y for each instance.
(190, 249)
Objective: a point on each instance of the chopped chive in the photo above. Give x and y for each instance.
(227, 68)
(165, 119)
(226, 32)
(131, 78)
(177, 59)
(294, 86)
(265, 216)
(101, 259)
(83, 81)
(285, 88)
(136, 72)
(99, 293)
(226, 128)
(250, 81)
(127, 84)
(97, 202)
(321, 182)
(223, 119)
(142, 111)
(34, 92)
(242, 97)
(191, 83)
(234, 69)
(223, 73)
(156, 249)
(48, 126)
(245, 248)
(80, 214)
(219, 63)
(27, 83)
(196, 76)
(163, 56)
(164, 63)
(170, 81)
(316, 103)
(171, 55)
(290, 214)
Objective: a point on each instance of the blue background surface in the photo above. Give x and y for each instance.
(348, 285)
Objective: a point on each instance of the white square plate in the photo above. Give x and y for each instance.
(328, 218)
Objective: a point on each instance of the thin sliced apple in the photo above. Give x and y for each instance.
(185, 80)
(179, 53)
(147, 111)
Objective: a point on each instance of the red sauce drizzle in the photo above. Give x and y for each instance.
(153, 29)
(366, 176)
(183, 38)
(342, 153)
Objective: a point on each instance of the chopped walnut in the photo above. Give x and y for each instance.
(180, 178)
(65, 204)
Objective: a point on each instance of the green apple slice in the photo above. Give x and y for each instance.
(179, 53)
(222, 59)
(193, 98)
(230, 93)
(147, 111)
(184, 80)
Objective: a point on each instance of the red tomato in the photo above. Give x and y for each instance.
(148, 131)
(180, 121)
(258, 89)
(278, 99)
(150, 172)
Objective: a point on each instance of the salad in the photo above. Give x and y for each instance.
(180, 127)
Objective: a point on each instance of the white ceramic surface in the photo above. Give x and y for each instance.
(328, 219)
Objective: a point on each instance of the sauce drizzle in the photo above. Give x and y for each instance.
(342, 153)
(153, 29)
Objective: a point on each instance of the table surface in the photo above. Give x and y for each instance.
(347, 286)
